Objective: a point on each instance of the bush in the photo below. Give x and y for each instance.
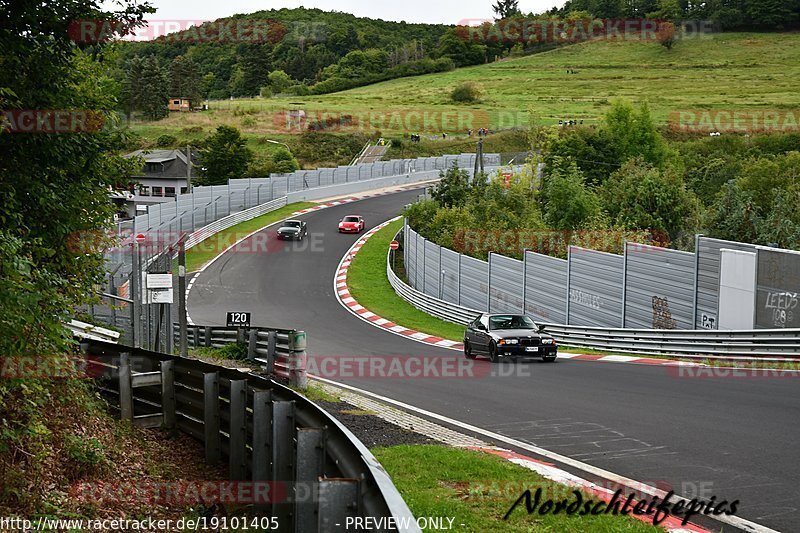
(166, 141)
(298, 90)
(236, 351)
(266, 92)
(86, 454)
(467, 93)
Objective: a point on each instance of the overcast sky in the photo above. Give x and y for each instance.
(433, 11)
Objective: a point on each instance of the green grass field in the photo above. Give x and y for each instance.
(723, 71)
(366, 279)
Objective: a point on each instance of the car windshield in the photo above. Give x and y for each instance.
(351, 219)
(511, 322)
(292, 224)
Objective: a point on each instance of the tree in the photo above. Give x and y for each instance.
(635, 134)
(284, 162)
(185, 80)
(570, 204)
(207, 84)
(132, 85)
(641, 196)
(734, 216)
(55, 206)
(667, 10)
(452, 189)
(154, 89)
(224, 156)
(506, 8)
(279, 81)
(607, 9)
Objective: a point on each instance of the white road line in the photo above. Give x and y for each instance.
(734, 521)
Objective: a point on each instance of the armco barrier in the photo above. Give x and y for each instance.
(264, 431)
(778, 343)
(281, 351)
(231, 220)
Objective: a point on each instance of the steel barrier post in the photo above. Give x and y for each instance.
(237, 449)
(283, 435)
(262, 444)
(338, 500)
(310, 462)
(524, 280)
(125, 388)
(211, 416)
(168, 392)
(297, 347)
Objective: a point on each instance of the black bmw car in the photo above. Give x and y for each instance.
(504, 335)
(292, 230)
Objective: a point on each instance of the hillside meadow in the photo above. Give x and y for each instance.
(722, 72)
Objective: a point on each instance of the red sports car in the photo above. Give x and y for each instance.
(351, 224)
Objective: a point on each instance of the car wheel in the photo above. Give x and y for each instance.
(468, 351)
(493, 356)
(548, 359)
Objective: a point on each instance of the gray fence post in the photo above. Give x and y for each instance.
(459, 278)
(195, 336)
(125, 389)
(489, 285)
(272, 342)
(441, 275)
(424, 271)
(696, 280)
(624, 283)
(569, 280)
(262, 452)
(211, 416)
(252, 341)
(524, 280)
(310, 468)
(168, 393)
(237, 452)
(283, 456)
(338, 500)
(207, 336)
(297, 347)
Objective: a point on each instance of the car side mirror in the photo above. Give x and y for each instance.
(481, 327)
(542, 329)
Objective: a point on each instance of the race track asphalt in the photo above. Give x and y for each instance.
(733, 438)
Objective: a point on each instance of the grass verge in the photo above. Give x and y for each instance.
(477, 489)
(368, 284)
(207, 250)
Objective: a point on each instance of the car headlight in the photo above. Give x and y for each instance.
(503, 342)
(548, 341)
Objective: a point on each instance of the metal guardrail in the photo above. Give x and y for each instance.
(83, 330)
(780, 343)
(231, 220)
(265, 431)
(281, 351)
